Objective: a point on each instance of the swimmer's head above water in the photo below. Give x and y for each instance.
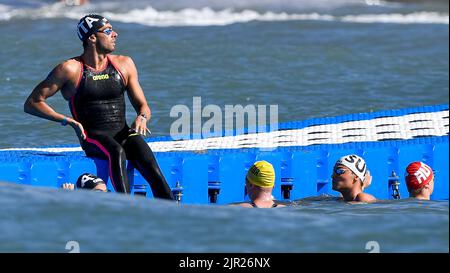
(261, 174)
(350, 177)
(97, 34)
(347, 170)
(419, 178)
(90, 24)
(91, 182)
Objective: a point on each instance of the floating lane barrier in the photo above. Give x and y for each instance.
(212, 169)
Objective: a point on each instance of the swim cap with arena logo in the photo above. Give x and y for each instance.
(89, 24)
(88, 181)
(354, 163)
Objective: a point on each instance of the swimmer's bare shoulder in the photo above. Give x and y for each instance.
(365, 197)
(244, 205)
(67, 69)
(124, 62)
(241, 204)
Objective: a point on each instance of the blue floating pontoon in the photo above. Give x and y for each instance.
(212, 169)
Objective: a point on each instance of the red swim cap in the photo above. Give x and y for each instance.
(417, 175)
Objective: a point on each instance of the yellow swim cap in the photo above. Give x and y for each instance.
(261, 174)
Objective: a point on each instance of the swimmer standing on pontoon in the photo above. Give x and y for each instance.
(94, 84)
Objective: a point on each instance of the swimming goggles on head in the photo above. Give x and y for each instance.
(339, 171)
(106, 31)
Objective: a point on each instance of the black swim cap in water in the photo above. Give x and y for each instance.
(89, 24)
(88, 181)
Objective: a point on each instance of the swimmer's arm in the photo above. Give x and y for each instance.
(137, 97)
(135, 92)
(35, 104)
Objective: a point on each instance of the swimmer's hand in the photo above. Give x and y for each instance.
(68, 186)
(77, 127)
(140, 125)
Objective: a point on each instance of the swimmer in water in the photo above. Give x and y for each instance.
(87, 181)
(350, 177)
(419, 179)
(259, 184)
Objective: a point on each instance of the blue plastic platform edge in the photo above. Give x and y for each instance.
(303, 124)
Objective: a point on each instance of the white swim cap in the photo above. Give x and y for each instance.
(354, 163)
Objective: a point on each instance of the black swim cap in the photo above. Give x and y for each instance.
(90, 24)
(88, 181)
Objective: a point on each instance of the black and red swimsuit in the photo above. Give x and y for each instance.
(99, 105)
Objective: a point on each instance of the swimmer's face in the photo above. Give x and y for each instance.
(342, 177)
(106, 38)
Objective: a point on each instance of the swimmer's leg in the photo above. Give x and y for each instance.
(102, 144)
(141, 156)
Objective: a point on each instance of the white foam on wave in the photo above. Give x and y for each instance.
(5, 13)
(397, 18)
(206, 16)
(210, 17)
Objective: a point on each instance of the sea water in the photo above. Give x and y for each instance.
(54, 220)
(310, 58)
